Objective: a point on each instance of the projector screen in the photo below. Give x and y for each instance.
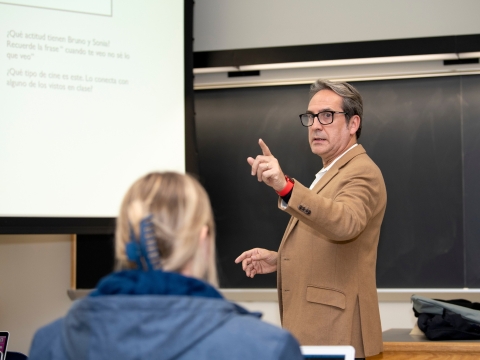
(92, 97)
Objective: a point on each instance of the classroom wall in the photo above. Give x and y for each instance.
(233, 24)
(34, 278)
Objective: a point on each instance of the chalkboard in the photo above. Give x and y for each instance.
(424, 134)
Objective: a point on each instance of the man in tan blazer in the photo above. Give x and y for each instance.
(326, 261)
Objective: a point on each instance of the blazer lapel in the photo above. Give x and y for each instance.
(331, 173)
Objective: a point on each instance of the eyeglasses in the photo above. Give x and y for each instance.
(324, 117)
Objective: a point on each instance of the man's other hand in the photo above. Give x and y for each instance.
(258, 261)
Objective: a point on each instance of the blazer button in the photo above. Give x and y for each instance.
(301, 207)
(308, 211)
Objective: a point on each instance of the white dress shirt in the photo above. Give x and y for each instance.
(322, 172)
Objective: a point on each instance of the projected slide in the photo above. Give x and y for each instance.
(92, 98)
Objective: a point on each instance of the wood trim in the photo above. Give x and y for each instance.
(433, 346)
(426, 355)
(399, 344)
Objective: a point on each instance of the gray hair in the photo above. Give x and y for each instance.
(352, 100)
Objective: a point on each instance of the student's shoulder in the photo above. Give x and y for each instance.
(44, 340)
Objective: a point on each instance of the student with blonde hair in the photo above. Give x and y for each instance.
(161, 303)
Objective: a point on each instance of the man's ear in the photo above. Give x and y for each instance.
(354, 124)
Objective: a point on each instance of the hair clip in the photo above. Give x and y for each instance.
(144, 251)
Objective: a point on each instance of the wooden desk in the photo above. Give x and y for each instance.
(398, 344)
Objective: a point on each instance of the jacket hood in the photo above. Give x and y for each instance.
(144, 326)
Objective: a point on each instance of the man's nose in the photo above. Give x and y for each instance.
(316, 123)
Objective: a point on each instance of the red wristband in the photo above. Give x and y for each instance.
(287, 187)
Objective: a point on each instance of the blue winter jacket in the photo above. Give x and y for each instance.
(159, 315)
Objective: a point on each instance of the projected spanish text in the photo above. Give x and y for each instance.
(25, 50)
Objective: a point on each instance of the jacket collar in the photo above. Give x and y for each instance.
(330, 174)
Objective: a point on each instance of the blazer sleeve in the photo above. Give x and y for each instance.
(356, 194)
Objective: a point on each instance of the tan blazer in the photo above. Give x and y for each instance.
(326, 264)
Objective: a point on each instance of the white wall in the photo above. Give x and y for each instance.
(34, 278)
(233, 24)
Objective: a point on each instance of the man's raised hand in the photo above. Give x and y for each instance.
(258, 261)
(267, 168)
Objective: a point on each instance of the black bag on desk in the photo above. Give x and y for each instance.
(447, 319)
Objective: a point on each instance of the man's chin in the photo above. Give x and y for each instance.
(317, 149)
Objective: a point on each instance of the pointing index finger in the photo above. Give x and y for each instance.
(265, 149)
(242, 257)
